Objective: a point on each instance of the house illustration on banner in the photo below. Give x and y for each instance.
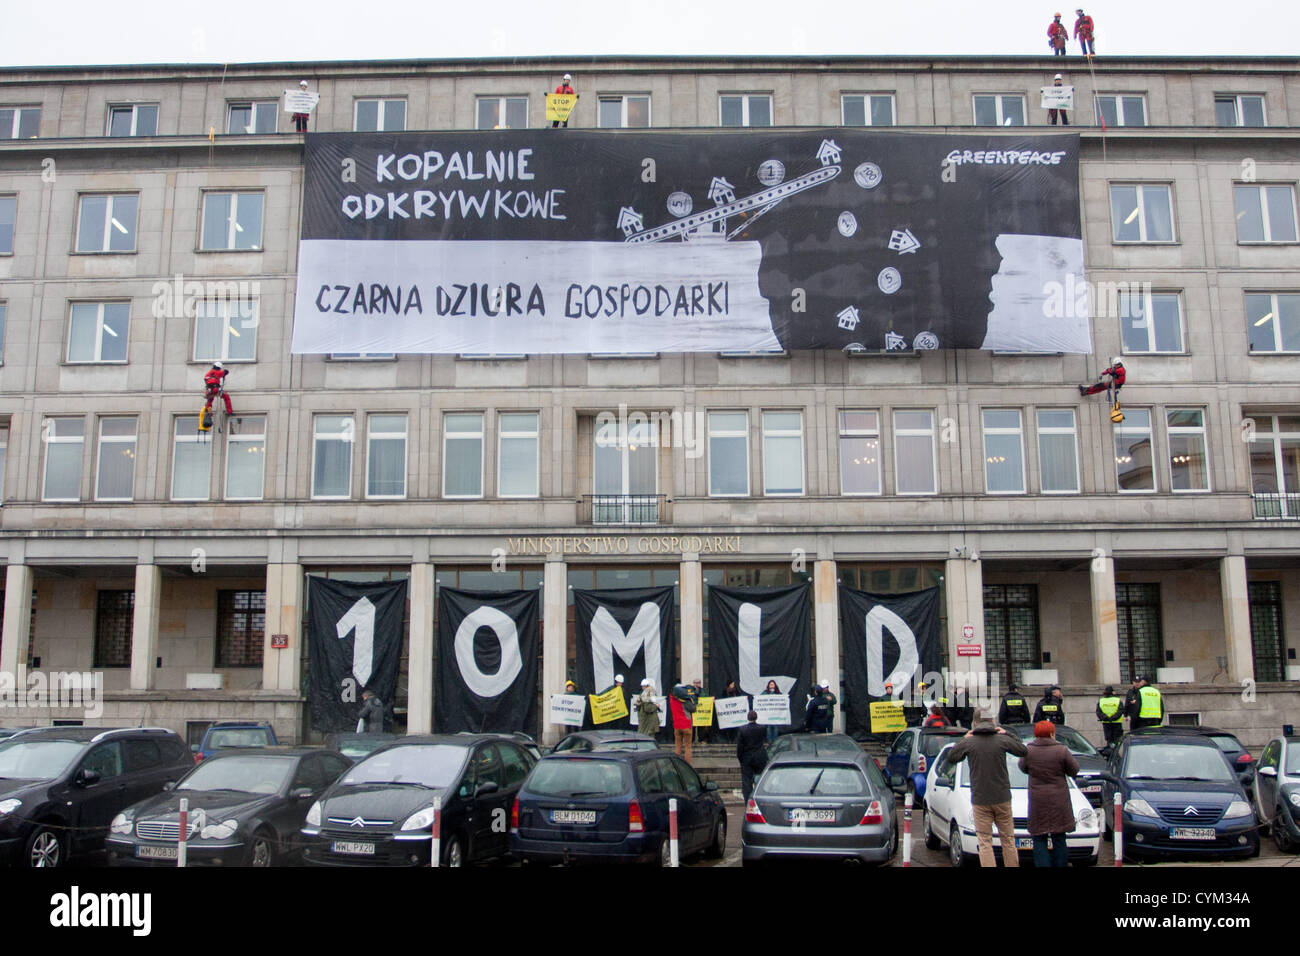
(828, 153)
(630, 221)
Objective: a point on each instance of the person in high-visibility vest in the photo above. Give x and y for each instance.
(1051, 707)
(1014, 708)
(1147, 707)
(1110, 711)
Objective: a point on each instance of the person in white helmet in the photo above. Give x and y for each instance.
(564, 87)
(1065, 118)
(214, 384)
(300, 119)
(820, 716)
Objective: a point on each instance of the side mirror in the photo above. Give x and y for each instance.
(711, 785)
(485, 788)
(194, 748)
(1267, 771)
(300, 793)
(169, 785)
(87, 778)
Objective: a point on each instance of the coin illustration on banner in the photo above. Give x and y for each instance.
(680, 203)
(868, 175)
(925, 342)
(771, 172)
(848, 224)
(889, 280)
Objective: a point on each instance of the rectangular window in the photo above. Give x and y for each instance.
(97, 331)
(517, 455)
(20, 122)
(1265, 213)
(1267, 642)
(1142, 213)
(116, 471)
(1151, 321)
(859, 453)
(8, 213)
(728, 454)
(191, 460)
(867, 109)
(1275, 466)
(107, 223)
(1011, 636)
(133, 120)
(782, 453)
(225, 330)
(4, 457)
(1121, 109)
(245, 457)
(1141, 644)
(1004, 458)
(625, 474)
(331, 473)
(999, 109)
(1273, 321)
(914, 453)
(1134, 455)
(114, 622)
(1239, 109)
(241, 628)
(249, 118)
(1188, 466)
(745, 109)
(1058, 457)
(386, 456)
(501, 112)
(4, 314)
(462, 455)
(380, 116)
(628, 111)
(232, 221)
(63, 439)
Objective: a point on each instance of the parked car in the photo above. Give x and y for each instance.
(524, 740)
(60, 787)
(817, 803)
(1181, 797)
(612, 807)
(1091, 763)
(911, 754)
(246, 808)
(590, 741)
(813, 744)
(356, 746)
(380, 812)
(234, 733)
(1238, 756)
(950, 815)
(8, 732)
(1277, 792)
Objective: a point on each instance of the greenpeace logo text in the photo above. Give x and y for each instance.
(1003, 157)
(77, 910)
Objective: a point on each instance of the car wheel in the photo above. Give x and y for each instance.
(893, 847)
(45, 847)
(1280, 835)
(665, 853)
(718, 847)
(932, 841)
(454, 855)
(261, 853)
(955, 854)
(1090, 861)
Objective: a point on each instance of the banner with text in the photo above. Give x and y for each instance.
(628, 631)
(487, 661)
(732, 712)
(609, 706)
(886, 638)
(761, 634)
(568, 709)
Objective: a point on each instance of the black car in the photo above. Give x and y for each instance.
(60, 787)
(1238, 756)
(1091, 763)
(246, 808)
(813, 744)
(589, 741)
(380, 813)
(356, 746)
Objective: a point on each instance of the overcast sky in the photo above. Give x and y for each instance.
(241, 31)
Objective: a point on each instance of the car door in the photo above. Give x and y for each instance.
(515, 764)
(145, 773)
(97, 803)
(1266, 784)
(701, 805)
(675, 789)
(899, 759)
(482, 821)
(939, 799)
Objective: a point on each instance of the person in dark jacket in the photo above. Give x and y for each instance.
(1014, 708)
(820, 716)
(986, 747)
(1051, 815)
(371, 718)
(1110, 711)
(752, 754)
(1051, 707)
(1144, 705)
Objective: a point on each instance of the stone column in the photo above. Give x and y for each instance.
(963, 590)
(419, 675)
(1236, 618)
(1105, 624)
(16, 636)
(281, 668)
(555, 641)
(826, 631)
(144, 625)
(691, 584)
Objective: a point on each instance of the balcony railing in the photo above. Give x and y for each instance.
(1275, 505)
(624, 510)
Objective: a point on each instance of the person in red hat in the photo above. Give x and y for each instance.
(1051, 816)
(1057, 34)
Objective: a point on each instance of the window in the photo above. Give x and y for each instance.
(1275, 466)
(8, 213)
(1268, 647)
(1273, 321)
(97, 331)
(1012, 639)
(1187, 454)
(4, 456)
(116, 470)
(107, 223)
(1265, 213)
(1141, 213)
(114, 622)
(999, 109)
(1004, 459)
(867, 109)
(914, 453)
(782, 453)
(191, 460)
(1239, 109)
(625, 478)
(1058, 459)
(386, 456)
(245, 456)
(20, 122)
(1134, 456)
(331, 473)
(728, 454)
(241, 627)
(225, 330)
(4, 309)
(859, 453)
(517, 459)
(623, 112)
(462, 456)
(1121, 109)
(380, 116)
(501, 112)
(362, 356)
(63, 438)
(1141, 645)
(745, 109)
(1150, 321)
(253, 117)
(133, 120)
(232, 221)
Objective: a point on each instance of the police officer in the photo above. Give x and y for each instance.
(820, 717)
(1110, 711)
(1148, 706)
(1050, 707)
(1014, 708)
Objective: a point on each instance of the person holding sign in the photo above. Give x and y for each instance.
(647, 709)
(682, 702)
(300, 119)
(564, 89)
(773, 730)
(1052, 112)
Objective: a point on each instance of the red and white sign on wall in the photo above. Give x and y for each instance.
(279, 640)
(968, 632)
(969, 650)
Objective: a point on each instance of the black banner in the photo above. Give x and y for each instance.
(886, 637)
(628, 631)
(354, 641)
(762, 634)
(487, 661)
(585, 241)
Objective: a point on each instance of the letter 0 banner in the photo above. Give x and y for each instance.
(354, 641)
(487, 661)
(761, 634)
(628, 631)
(886, 637)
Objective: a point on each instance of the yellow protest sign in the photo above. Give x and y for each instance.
(559, 106)
(703, 716)
(887, 716)
(608, 706)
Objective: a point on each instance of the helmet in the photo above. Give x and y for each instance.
(567, 77)
(1057, 77)
(217, 365)
(302, 83)
(618, 678)
(1058, 16)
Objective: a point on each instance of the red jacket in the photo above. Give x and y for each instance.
(215, 377)
(1083, 28)
(564, 88)
(1117, 373)
(1057, 33)
(681, 719)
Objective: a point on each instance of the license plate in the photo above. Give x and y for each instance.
(1024, 843)
(1095, 788)
(1191, 833)
(573, 816)
(356, 849)
(812, 816)
(155, 852)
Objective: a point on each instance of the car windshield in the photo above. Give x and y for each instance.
(1293, 758)
(37, 759)
(1019, 779)
(429, 765)
(247, 773)
(827, 743)
(627, 745)
(931, 744)
(1177, 762)
(818, 780)
(238, 737)
(1227, 743)
(579, 778)
(1075, 741)
(360, 746)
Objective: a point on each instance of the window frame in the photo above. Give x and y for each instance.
(13, 226)
(861, 433)
(178, 440)
(383, 104)
(1264, 216)
(535, 435)
(1172, 431)
(1003, 430)
(449, 436)
(103, 440)
(1147, 297)
(784, 433)
(229, 611)
(914, 433)
(1273, 316)
(867, 98)
(49, 437)
(100, 326)
(503, 109)
(372, 435)
(1042, 430)
(730, 433)
(1125, 428)
(234, 227)
(1141, 210)
(110, 218)
(16, 124)
(1120, 113)
(226, 308)
(254, 107)
(1238, 113)
(135, 119)
(623, 99)
(346, 434)
(745, 97)
(236, 437)
(999, 112)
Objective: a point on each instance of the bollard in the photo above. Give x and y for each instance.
(435, 834)
(1119, 830)
(183, 834)
(672, 829)
(907, 830)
